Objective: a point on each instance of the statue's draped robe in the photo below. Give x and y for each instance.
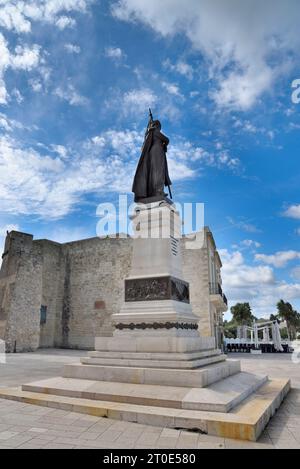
(152, 171)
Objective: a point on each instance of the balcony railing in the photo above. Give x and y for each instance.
(216, 289)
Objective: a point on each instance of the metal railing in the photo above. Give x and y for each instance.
(216, 289)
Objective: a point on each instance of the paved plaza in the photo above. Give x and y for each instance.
(28, 426)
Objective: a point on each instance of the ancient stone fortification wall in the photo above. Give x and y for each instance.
(81, 285)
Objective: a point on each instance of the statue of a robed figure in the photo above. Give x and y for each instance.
(152, 173)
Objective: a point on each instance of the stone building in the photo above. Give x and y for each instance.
(63, 295)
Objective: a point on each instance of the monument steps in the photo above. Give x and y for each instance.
(198, 378)
(219, 397)
(245, 422)
(155, 355)
(152, 363)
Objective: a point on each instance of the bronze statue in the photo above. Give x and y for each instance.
(152, 173)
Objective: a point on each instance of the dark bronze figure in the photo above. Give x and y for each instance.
(152, 173)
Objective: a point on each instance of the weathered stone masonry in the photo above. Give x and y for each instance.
(78, 285)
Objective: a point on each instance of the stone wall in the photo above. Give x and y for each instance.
(81, 284)
(195, 271)
(93, 289)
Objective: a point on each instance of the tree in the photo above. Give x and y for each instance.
(291, 316)
(230, 329)
(242, 314)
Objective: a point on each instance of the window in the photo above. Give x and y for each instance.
(43, 314)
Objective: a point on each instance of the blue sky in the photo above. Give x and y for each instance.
(76, 80)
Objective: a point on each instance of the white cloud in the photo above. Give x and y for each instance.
(70, 95)
(240, 91)
(249, 243)
(172, 89)
(72, 48)
(295, 273)
(5, 123)
(181, 67)
(36, 85)
(114, 53)
(25, 58)
(18, 15)
(187, 152)
(60, 150)
(279, 259)
(247, 126)
(243, 225)
(293, 212)
(138, 100)
(16, 93)
(243, 282)
(9, 125)
(65, 22)
(238, 273)
(237, 39)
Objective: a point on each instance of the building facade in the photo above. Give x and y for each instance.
(63, 295)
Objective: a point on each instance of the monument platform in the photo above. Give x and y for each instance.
(157, 369)
(246, 421)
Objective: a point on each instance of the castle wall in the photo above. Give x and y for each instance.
(51, 290)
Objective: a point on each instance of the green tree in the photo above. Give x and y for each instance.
(242, 314)
(291, 316)
(230, 329)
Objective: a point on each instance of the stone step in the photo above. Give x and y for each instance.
(219, 397)
(246, 422)
(156, 355)
(197, 378)
(176, 364)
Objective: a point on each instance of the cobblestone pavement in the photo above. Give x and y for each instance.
(28, 426)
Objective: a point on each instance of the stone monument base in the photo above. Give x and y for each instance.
(185, 384)
(216, 399)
